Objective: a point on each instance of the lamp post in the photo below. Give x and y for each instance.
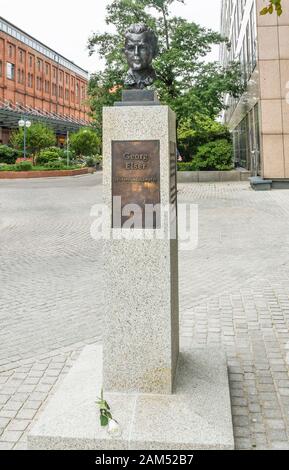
(26, 124)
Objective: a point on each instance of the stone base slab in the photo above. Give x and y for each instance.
(196, 416)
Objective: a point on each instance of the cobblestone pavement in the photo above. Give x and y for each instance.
(234, 292)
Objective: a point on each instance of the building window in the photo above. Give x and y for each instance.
(39, 64)
(1, 68)
(54, 72)
(67, 95)
(30, 61)
(47, 69)
(30, 80)
(10, 51)
(21, 55)
(10, 73)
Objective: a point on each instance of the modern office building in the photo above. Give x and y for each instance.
(259, 120)
(38, 83)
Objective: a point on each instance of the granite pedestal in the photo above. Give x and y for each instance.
(141, 309)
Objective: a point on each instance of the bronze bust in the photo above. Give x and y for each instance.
(141, 47)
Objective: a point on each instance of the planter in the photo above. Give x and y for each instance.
(212, 176)
(44, 174)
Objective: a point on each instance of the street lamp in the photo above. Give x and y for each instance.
(26, 124)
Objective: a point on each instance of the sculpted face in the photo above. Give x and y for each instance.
(139, 51)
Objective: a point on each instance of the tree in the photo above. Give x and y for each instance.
(85, 142)
(38, 137)
(185, 81)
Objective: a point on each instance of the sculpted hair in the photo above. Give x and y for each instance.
(140, 28)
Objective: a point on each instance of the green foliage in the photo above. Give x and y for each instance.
(49, 155)
(85, 142)
(38, 137)
(23, 166)
(94, 161)
(5, 167)
(8, 155)
(186, 166)
(273, 5)
(216, 155)
(185, 81)
(54, 165)
(104, 411)
(197, 131)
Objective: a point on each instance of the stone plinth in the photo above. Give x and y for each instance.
(141, 341)
(196, 416)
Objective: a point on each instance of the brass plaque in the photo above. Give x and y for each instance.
(136, 180)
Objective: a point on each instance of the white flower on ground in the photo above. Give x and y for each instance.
(114, 428)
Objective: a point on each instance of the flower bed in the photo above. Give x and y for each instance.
(44, 173)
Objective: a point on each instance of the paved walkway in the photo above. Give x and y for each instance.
(234, 292)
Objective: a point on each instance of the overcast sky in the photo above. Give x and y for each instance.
(65, 25)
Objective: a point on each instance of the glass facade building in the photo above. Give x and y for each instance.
(258, 119)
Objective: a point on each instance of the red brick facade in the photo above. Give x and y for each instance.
(29, 77)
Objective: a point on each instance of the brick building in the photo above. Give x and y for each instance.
(38, 83)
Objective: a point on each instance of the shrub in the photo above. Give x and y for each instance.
(69, 153)
(52, 154)
(8, 155)
(24, 166)
(54, 165)
(186, 166)
(93, 161)
(4, 167)
(194, 133)
(216, 155)
(90, 162)
(85, 142)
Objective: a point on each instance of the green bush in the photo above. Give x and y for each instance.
(52, 154)
(216, 155)
(85, 142)
(4, 167)
(194, 133)
(186, 166)
(69, 153)
(54, 165)
(24, 166)
(94, 161)
(8, 155)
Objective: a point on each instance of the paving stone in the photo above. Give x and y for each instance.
(11, 436)
(18, 425)
(26, 414)
(6, 445)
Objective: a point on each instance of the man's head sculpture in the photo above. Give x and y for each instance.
(141, 47)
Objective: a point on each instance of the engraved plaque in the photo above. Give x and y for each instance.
(136, 180)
